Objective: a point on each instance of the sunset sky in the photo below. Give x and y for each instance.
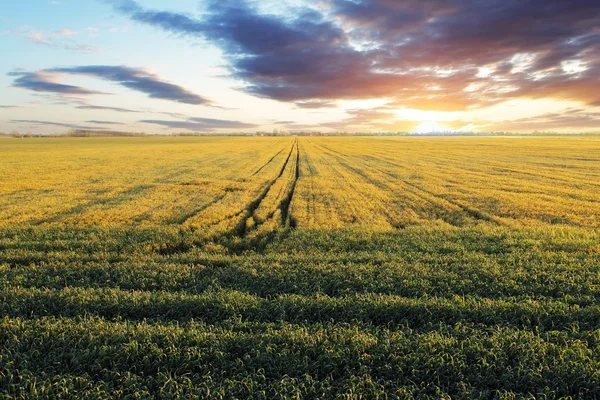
(299, 65)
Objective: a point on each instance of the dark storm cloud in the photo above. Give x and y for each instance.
(132, 78)
(420, 53)
(202, 124)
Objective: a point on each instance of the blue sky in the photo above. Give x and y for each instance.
(35, 42)
(330, 65)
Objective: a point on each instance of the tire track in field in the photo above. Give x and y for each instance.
(428, 194)
(286, 219)
(471, 211)
(268, 162)
(341, 159)
(312, 208)
(285, 203)
(517, 176)
(514, 181)
(241, 229)
(416, 190)
(131, 194)
(182, 220)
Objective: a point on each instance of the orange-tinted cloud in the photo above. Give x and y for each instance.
(422, 54)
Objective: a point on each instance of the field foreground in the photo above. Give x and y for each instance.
(300, 268)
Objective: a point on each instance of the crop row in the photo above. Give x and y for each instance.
(219, 305)
(63, 357)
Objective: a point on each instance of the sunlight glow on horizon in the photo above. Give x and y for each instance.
(430, 127)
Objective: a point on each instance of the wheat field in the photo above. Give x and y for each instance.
(300, 267)
(212, 184)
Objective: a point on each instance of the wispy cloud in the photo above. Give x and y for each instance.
(127, 110)
(139, 80)
(66, 32)
(4, 106)
(55, 39)
(39, 38)
(575, 120)
(84, 48)
(61, 99)
(315, 104)
(63, 125)
(202, 124)
(43, 81)
(104, 108)
(103, 122)
(92, 32)
(136, 79)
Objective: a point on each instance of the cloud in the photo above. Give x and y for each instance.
(38, 38)
(92, 32)
(127, 110)
(66, 32)
(573, 120)
(104, 122)
(315, 104)
(61, 99)
(170, 114)
(42, 81)
(136, 79)
(103, 108)
(202, 124)
(425, 54)
(139, 80)
(84, 48)
(373, 119)
(4, 106)
(37, 122)
(54, 40)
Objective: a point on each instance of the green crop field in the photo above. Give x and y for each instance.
(300, 268)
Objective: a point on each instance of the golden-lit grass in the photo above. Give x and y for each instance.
(221, 185)
(384, 183)
(132, 180)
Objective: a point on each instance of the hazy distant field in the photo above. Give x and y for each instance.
(300, 267)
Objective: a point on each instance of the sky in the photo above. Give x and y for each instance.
(364, 66)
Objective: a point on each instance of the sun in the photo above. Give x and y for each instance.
(430, 127)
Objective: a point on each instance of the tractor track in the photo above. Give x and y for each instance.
(241, 229)
(267, 163)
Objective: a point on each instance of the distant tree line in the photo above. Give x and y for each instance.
(103, 133)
